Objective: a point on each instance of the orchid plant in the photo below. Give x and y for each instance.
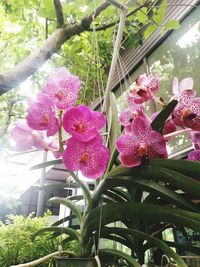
(147, 192)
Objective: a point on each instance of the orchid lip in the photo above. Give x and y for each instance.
(85, 158)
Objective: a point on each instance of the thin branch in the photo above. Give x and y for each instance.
(104, 27)
(30, 65)
(59, 13)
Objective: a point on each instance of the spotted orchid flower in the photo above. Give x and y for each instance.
(142, 142)
(62, 88)
(195, 138)
(128, 115)
(184, 90)
(41, 115)
(194, 155)
(187, 112)
(143, 89)
(90, 158)
(25, 138)
(82, 123)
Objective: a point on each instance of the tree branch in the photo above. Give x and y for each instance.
(104, 27)
(59, 13)
(29, 66)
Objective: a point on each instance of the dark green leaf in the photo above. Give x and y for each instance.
(158, 123)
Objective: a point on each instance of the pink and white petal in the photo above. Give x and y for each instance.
(125, 117)
(186, 84)
(73, 116)
(127, 144)
(175, 87)
(192, 121)
(194, 106)
(71, 83)
(141, 79)
(130, 160)
(195, 137)
(53, 126)
(72, 154)
(98, 119)
(90, 133)
(156, 143)
(141, 127)
(36, 115)
(95, 168)
(169, 127)
(194, 155)
(44, 100)
(153, 83)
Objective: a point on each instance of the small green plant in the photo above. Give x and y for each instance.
(16, 245)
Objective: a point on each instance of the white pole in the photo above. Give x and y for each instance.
(117, 45)
(41, 196)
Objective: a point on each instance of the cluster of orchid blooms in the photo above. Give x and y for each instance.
(55, 110)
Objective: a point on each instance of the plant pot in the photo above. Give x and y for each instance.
(73, 262)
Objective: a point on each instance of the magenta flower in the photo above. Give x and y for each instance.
(187, 112)
(143, 89)
(41, 117)
(142, 142)
(194, 155)
(195, 138)
(184, 90)
(90, 158)
(128, 115)
(24, 137)
(62, 88)
(82, 123)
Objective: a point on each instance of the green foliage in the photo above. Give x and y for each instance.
(172, 25)
(15, 240)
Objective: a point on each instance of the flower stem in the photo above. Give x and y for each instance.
(61, 149)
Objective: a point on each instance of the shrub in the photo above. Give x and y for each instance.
(16, 245)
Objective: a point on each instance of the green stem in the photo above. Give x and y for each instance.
(61, 149)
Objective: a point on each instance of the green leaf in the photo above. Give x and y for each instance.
(55, 229)
(172, 25)
(141, 15)
(115, 126)
(144, 185)
(186, 167)
(149, 30)
(46, 164)
(120, 255)
(74, 208)
(84, 187)
(158, 243)
(65, 219)
(150, 170)
(158, 123)
(160, 12)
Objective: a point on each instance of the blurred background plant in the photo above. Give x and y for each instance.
(15, 239)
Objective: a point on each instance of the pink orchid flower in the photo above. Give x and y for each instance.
(42, 118)
(195, 138)
(143, 89)
(194, 155)
(24, 137)
(128, 115)
(90, 158)
(62, 88)
(82, 123)
(184, 90)
(187, 112)
(142, 142)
